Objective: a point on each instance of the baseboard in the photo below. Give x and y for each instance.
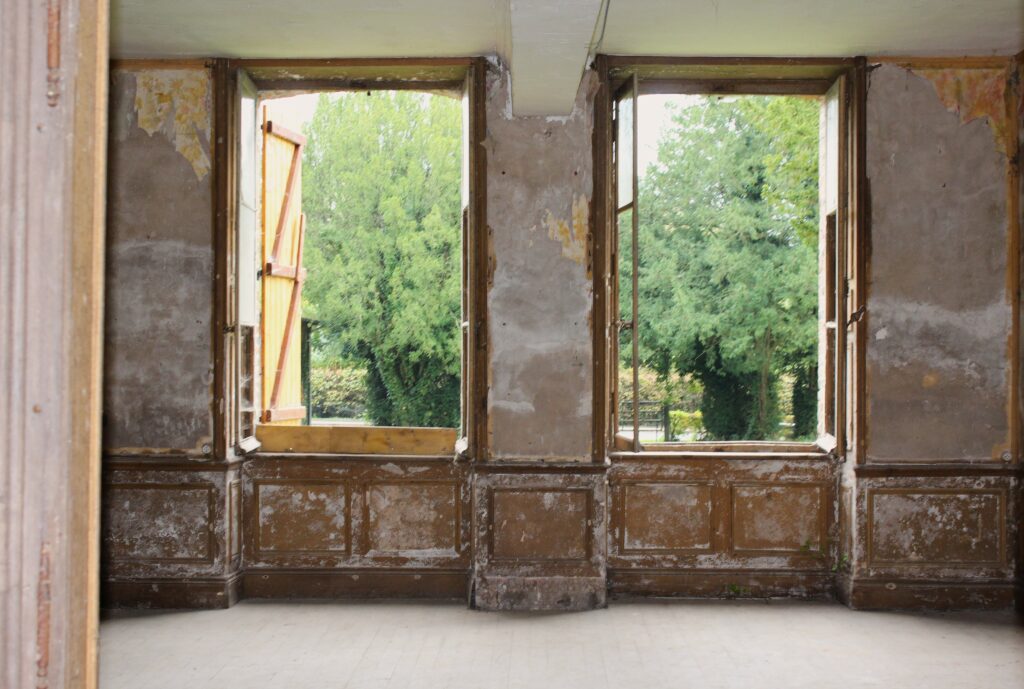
(443, 584)
(207, 593)
(546, 594)
(720, 584)
(913, 594)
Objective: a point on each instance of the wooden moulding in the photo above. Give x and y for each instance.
(441, 584)
(917, 594)
(209, 593)
(719, 583)
(357, 440)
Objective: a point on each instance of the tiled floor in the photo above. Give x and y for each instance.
(642, 645)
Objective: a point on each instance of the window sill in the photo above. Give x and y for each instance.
(732, 455)
(357, 440)
(822, 449)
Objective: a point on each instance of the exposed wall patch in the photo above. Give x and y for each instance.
(177, 104)
(974, 93)
(572, 234)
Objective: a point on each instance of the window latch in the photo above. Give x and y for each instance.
(625, 325)
(856, 316)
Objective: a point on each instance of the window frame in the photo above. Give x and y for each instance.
(843, 398)
(465, 74)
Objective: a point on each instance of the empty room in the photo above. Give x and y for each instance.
(508, 343)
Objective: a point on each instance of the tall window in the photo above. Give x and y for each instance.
(726, 255)
(374, 211)
(356, 276)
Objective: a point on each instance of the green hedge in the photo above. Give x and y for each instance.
(338, 391)
(685, 423)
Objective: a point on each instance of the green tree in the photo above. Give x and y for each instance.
(728, 257)
(381, 192)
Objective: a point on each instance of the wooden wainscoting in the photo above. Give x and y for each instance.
(318, 526)
(755, 525)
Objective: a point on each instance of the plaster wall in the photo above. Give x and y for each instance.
(158, 355)
(940, 309)
(539, 186)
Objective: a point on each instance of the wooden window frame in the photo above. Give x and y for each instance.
(749, 76)
(465, 74)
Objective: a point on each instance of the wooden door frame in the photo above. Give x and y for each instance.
(53, 68)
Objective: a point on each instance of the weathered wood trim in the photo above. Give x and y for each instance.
(140, 64)
(875, 470)
(281, 583)
(860, 212)
(88, 220)
(599, 257)
(923, 594)
(53, 105)
(340, 62)
(767, 87)
(708, 583)
(224, 183)
(478, 244)
(357, 440)
(202, 593)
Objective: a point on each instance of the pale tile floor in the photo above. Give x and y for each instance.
(642, 645)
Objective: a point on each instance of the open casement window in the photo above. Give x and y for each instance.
(269, 337)
(837, 319)
(244, 308)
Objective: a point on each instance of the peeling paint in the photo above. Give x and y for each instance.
(974, 93)
(176, 103)
(573, 234)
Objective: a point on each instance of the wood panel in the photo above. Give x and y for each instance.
(160, 522)
(413, 518)
(329, 513)
(283, 227)
(702, 523)
(667, 516)
(778, 517)
(301, 516)
(939, 527)
(540, 524)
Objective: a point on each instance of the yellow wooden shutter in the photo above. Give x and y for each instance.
(283, 234)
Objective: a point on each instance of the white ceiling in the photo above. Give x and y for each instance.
(546, 41)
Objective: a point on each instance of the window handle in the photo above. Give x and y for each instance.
(626, 325)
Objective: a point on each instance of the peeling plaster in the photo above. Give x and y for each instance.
(539, 181)
(573, 234)
(974, 93)
(940, 317)
(158, 348)
(176, 103)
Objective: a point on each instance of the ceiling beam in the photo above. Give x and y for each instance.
(550, 42)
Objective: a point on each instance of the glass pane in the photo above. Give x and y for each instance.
(624, 148)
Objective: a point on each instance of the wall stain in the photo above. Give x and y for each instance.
(974, 93)
(177, 104)
(573, 237)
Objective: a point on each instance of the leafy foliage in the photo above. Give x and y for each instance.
(728, 258)
(381, 192)
(338, 391)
